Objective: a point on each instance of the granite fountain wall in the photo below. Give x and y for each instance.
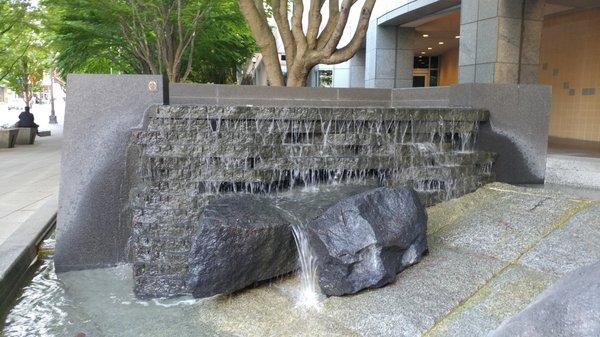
(188, 154)
(94, 219)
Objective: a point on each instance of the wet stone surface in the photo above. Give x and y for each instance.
(364, 241)
(241, 240)
(187, 154)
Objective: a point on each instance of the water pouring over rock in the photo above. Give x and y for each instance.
(365, 240)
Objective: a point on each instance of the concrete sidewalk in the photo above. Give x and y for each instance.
(29, 176)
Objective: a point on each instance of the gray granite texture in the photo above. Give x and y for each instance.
(26, 136)
(240, 240)
(570, 308)
(187, 153)
(100, 111)
(518, 127)
(223, 95)
(365, 240)
(517, 130)
(19, 251)
(455, 290)
(519, 114)
(94, 220)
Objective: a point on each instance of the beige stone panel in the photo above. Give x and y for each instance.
(506, 73)
(509, 40)
(532, 36)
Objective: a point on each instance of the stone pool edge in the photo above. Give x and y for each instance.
(19, 251)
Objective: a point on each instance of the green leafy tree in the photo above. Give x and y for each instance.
(25, 55)
(13, 29)
(187, 40)
(26, 76)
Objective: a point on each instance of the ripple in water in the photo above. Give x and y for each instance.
(40, 309)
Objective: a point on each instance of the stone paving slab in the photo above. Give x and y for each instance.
(506, 295)
(28, 179)
(572, 246)
(419, 297)
(508, 224)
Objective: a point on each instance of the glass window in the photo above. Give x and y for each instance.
(418, 81)
(325, 78)
(421, 62)
(433, 78)
(434, 62)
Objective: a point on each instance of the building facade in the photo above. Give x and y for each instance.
(422, 43)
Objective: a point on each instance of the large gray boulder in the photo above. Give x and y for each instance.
(241, 240)
(570, 308)
(364, 241)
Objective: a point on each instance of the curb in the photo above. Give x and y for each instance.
(19, 251)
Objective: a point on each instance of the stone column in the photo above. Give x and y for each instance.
(357, 70)
(389, 57)
(405, 57)
(500, 41)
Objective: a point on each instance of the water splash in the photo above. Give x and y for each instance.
(309, 294)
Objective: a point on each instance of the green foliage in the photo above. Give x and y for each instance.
(224, 43)
(97, 36)
(11, 15)
(25, 54)
(13, 29)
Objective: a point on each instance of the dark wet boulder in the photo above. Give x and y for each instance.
(570, 308)
(364, 241)
(241, 240)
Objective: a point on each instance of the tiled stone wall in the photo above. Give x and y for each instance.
(569, 54)
(500, 40)
(389, 56)
(188, 154)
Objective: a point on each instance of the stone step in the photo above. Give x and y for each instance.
(333, 148)
(337, 172)
(318, 114)
(161, 197)
(190, 128)
(254, 139)
(316, 160)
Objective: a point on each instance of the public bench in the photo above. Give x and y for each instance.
(26, 136)
(8, 138)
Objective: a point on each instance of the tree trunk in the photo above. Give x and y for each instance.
(298, 76)
(304, 48)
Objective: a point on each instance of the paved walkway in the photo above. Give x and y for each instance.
(29, 176)
(575, 164)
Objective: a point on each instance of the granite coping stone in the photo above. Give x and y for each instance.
(319, 113)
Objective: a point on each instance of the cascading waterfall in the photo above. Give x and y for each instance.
(190, 153)
(309, 294)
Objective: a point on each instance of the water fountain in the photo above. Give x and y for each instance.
(189, 154)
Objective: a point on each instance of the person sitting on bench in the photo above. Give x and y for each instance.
(26, 120)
